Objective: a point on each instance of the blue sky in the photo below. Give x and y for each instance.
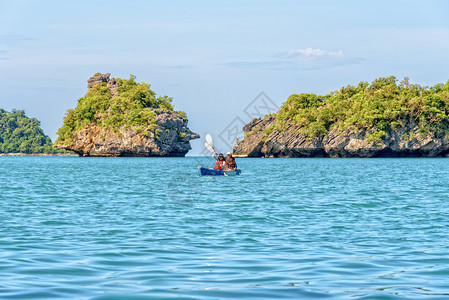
(213, 57)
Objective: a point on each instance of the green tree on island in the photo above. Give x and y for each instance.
(20, 134)
(132, 107)
(382, 105)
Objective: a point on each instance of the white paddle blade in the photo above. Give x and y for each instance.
(209, 147)
(209, 139)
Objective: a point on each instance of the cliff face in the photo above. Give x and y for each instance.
(93, 140)
(406, 141)
(166, 134)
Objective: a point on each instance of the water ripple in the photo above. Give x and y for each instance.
(136, 228)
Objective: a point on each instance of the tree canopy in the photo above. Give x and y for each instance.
(20, 134)
(133, 107)
(380, 106)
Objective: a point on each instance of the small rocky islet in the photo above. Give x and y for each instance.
(121, 117)
(381, 119)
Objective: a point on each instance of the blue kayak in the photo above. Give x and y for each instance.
(211, 172)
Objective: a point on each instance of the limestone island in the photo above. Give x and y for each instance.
(121, 117)
(21, 135)
(381, 119)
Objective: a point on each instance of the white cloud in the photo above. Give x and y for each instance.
(301, 59)
(313, 53)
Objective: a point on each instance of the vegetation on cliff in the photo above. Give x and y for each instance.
(21, 134)
(378, 107)
(133, 106)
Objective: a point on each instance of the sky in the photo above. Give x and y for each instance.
(223, 62)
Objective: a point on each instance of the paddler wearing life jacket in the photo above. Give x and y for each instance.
(220, 161)
(230, 162)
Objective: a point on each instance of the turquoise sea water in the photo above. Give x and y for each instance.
(139, 228)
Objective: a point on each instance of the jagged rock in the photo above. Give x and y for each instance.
(351, 142)
(111, 83)
(97, 79)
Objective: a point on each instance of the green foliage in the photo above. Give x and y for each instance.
(409, 137)
(20, 134)
(157, 133)
(382, 105)
(269, 130)
(183, 114)
(147, 133)
(376, 136)
(132, 107)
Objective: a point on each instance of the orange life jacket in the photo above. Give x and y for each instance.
(230, 163)
(218, 165)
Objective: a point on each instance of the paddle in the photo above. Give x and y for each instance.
(209, 143)
(209, 147)
(209, 139)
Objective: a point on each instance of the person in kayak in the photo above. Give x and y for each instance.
(230, 162)
(219, 161)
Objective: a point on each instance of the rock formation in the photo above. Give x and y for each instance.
(169, 136)
(381, 119)
(111, 83)
(405, 141)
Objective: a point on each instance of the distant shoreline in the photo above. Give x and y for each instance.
(38, 154)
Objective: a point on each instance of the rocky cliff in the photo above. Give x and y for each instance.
(406, 141)
(124, 118)
(383, 119)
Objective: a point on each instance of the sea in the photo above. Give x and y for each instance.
(287, 228)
